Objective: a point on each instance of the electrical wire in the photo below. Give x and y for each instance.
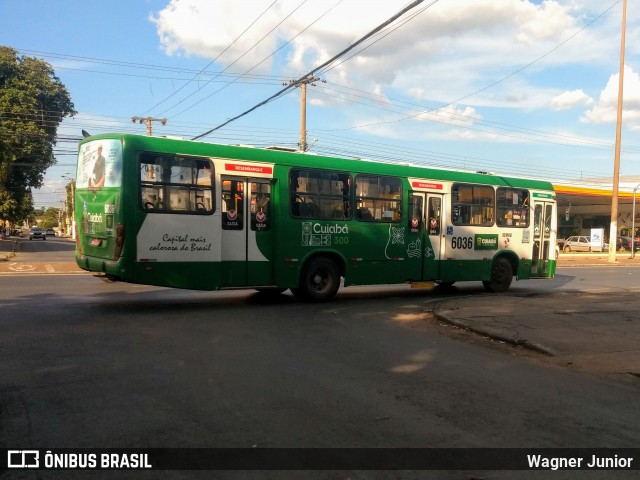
(233, 63)
(315, 70)
(215, 59)
(497, 82)
(267, 57)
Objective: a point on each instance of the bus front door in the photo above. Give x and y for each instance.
(542, 237)
(435, 235)
(247, 226)
(425, 236)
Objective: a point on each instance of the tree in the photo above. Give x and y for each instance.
(48, 218)
(33, 103)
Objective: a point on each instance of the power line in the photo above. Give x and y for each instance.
(317, 69)
(391, 30)
(264, 59)
(497, 82)
(447, 117)
(215, 59)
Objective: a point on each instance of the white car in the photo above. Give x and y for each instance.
(578, 243)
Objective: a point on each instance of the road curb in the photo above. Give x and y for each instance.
(495, 335)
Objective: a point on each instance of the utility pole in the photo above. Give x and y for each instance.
(613, 230)
(147, 121)
(302, 83)
(72, 184)
(303, 116)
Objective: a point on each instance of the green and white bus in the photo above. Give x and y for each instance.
(205, 216)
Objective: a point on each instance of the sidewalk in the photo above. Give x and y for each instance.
(593, 259)
(594, 332)
(8, 248)
(597, 332)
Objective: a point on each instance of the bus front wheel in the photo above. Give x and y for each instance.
(501, 276)
(319, 281)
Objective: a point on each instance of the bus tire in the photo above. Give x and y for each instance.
(501, 276)
(319, 281)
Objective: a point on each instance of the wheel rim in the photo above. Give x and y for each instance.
(320, 281)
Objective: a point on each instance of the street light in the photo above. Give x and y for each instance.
(633, 222)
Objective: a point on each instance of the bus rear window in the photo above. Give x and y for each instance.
(176, 184)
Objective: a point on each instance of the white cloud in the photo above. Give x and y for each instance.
(477, 37)
(544, 21)
(450, 115)
(605, 110)
(567, 100)
(479, 54)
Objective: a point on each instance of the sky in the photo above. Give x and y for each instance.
(516, 87)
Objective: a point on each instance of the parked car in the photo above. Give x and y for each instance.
(36, 232)
(623, 244)
(50, 232)
(578, 243)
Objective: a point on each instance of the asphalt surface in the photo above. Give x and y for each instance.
(596, 332)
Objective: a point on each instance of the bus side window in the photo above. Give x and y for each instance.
(512, 207)
(434, 212)
(232, 205)
(176, 184)
(415, 213)
(152, 198)
(472, 204)
(378, 198)
(315, 193)
(260, 206)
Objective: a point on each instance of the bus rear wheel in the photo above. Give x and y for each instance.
(319, 281)
(501, 276)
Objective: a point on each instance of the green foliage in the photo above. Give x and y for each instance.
(48, 218)
(33, 102)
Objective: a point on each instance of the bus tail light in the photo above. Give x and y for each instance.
(77, 237)
(119, 241)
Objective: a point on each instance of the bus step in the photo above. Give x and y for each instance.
(422, 284)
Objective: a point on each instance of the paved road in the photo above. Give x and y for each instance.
(592, 328)
(87, 364)
(52, 256)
